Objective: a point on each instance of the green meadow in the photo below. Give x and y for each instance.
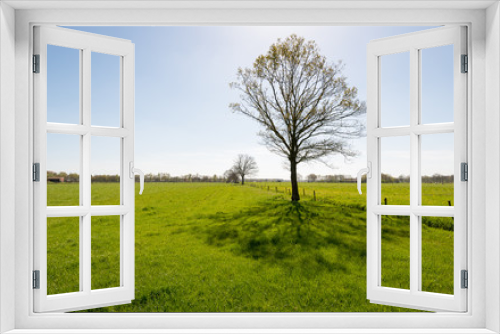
(213, 247)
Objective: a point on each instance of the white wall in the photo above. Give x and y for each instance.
(7, 171)
(131, 17)
(492, 164)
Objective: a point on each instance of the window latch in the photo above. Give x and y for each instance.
(132, 171)
(367, 171)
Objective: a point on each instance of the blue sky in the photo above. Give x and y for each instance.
(183, 122)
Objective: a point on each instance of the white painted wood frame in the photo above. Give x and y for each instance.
(415, 297)
(86, 43)
(483, 313)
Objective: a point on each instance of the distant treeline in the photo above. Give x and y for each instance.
(385, 178)
(436, 178)
(165, 177)
(160, 177)
(65, 177)
(73, 177)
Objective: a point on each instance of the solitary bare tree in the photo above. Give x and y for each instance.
(244, 165)
(304, 104)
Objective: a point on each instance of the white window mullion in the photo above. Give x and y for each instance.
(373, 183)
(86, 139)
(128, 184)
(76, 129)
(85, 183)
(123, 177)
(428, 129)
(85, 257)
(406, 210)
(40, 156)
(82, 223)
(421, 129)
(414, 173)
(460, 141)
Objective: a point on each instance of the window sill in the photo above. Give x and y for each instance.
(252, 331)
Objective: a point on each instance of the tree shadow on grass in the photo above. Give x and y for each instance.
(306, 236)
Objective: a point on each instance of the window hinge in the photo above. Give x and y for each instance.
(465, 279)
(36, 172)
(36, 279)
(464, 171)
(36, 63)
(465, 64)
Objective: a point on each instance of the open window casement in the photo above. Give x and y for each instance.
(83, 215)
(416, 130)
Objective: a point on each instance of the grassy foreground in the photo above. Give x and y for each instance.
(203, 247)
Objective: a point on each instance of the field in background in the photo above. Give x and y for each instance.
(212, 247)
(347, 194)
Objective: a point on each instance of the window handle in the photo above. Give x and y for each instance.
(367, 171)
(133, 171)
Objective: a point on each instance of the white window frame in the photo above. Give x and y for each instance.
(483, 102)
(413, 44)
(86, 44)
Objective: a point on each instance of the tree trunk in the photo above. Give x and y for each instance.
(242, 179)
(295, 185)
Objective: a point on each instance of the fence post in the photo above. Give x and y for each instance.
(385, 201)
(314, 195)
(276, 189)
(449, 203)
(304, 191)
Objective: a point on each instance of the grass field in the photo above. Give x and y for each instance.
(211, 247)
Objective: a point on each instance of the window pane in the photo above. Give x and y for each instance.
(395, 89)
(437, 163)
(395, 170)
(105, 170)
(396, 251)
(63, 255)
(63, 85)
(63, 169)
(105, 90)
(437, 254)
(437, 84)
(105, 252)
